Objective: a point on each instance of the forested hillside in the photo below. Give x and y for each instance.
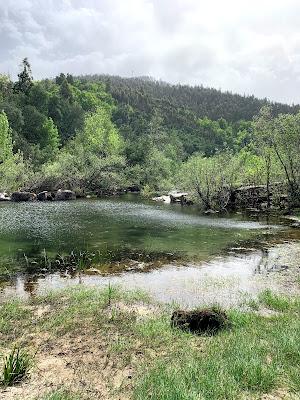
(147, 94)
(104, 133)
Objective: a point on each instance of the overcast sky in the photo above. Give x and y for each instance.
(250, 46)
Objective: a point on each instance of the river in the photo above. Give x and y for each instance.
(173, 252)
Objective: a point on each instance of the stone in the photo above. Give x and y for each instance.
(63, 195)
(4, 197)
(23, 196)
(295, 225)
(45, 196)
(164, 199)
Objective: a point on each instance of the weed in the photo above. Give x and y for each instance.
(16, 367)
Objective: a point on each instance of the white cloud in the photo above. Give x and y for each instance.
(245, 47)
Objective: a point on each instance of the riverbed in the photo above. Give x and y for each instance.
(172, 252)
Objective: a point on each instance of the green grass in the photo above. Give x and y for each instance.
(16, 367)
(256, 355)
(274, 301)
(14, 317)
(60, 395)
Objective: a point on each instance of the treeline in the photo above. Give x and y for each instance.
(101, 133)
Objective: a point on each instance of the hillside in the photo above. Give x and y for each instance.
(146, 94)
(102, 133)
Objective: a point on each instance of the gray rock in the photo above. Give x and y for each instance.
(23, 196)
(4, 197)
(45, 196)
(63, 195)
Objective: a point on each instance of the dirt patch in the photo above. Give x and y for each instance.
(98, 363)
(280, 394)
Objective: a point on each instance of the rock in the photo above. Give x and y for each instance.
(258, 197)
(210, 212)
(45, 196)
(62, 195)
(200, 321)
(4, 197)
(177, 197)
(164, 199)
(23, 196)
(295, 225)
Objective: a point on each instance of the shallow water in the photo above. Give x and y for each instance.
(60, 227)
(34, 229)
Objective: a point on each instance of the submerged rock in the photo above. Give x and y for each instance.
(23, 196)
(62, 195)
(200, 321)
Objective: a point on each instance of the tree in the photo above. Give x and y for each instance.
(25, 79)
(286, 142)
(6, 87)
(210, 179)
(263, 139)
(157, 171)
(50, 138)
(6, 144)
(100, 135)
(13, 171)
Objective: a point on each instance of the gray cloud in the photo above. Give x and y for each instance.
(246, 47)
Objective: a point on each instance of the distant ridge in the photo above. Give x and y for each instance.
(145, 93)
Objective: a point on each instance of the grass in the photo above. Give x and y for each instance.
(104, 332)
(16, 367)
(61, 394)
(257, 356)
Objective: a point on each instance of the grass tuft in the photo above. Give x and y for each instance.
(16, 367)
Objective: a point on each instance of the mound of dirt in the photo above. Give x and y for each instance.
(200, 321)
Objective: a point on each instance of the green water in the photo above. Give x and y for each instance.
(32, 229)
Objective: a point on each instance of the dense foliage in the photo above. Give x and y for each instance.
(103, 133)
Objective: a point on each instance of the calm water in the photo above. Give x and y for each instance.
(60, 227)
(33, 229)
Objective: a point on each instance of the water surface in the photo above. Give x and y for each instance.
(32, 230)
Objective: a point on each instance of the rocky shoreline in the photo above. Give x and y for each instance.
(59, 195)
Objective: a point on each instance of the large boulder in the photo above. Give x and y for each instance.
(23, 196)
(63, 195)
(200, 321)
(4, 197)
(45, 196)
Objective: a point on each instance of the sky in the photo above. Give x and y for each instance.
(244, 46)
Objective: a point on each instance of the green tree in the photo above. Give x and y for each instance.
(286, 143)
(263, 140)
(6, 144)
(211, 180)
(25, 79)
(50, 142)
(100, 135)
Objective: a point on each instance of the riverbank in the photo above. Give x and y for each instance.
(115, 344)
